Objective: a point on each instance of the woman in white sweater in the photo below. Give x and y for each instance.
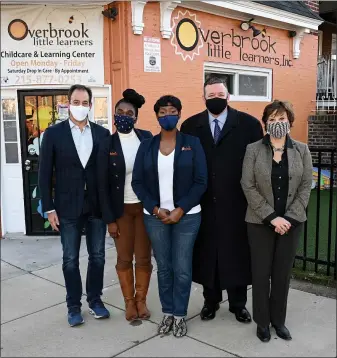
(121, 209)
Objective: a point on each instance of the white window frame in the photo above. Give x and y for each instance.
(236, 70)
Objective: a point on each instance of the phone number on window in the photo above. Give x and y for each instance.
(48, 79)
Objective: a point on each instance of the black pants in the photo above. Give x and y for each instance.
(272, 258)
(237, 296)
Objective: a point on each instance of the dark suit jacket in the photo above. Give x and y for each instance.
(190, 173)
(58, 152)
(257, 186)
(111, 175)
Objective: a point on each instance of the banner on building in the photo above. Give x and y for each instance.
(43, 45)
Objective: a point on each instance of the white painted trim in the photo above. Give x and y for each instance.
(56, 3)
(166, 9)
(268, 12)
(297, 43)
(245, 10)
(226, 68)
(137, 8)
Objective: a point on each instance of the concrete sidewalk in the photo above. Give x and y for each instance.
(34, 322)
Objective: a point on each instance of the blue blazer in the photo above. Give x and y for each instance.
(189, 178)
(58, 152)
(111, 175)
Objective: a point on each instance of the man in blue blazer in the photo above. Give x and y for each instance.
(69, 151)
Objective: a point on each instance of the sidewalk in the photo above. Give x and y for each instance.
(34, 322)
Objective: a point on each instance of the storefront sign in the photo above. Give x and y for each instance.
(51, 45)
(189, 39)
(152, 54)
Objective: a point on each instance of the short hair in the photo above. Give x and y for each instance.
(280, 107)
(80, 88)
(213, 80)
(167, 100)
(132, 97)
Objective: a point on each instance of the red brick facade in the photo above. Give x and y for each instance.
(314, 5)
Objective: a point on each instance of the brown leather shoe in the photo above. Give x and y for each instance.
(126, 281)
(142, 285)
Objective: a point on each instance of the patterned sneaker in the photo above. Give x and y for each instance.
(179, 327)
(165, 326)
(98, 310)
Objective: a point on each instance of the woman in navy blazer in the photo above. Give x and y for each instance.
(121, 209)
(169, 178)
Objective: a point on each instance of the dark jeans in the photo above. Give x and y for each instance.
(272, 260)
(71, 231)
(237, 296)
(173, 250)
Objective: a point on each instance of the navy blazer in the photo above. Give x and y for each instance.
(58, 152)
(111, 175)
(190, 173)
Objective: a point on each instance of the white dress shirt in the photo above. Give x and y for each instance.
(130, 144)
(83, 141)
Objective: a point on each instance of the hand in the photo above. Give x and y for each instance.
(282, 226)
(163, 213)
(174, 216)
(54, 220)
(113, 230)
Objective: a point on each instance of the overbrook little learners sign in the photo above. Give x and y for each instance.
(47, 45)
(189, 38)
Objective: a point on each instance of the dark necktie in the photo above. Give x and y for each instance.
(217, 131)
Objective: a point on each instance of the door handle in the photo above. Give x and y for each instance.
(27, 168)
(27, 162)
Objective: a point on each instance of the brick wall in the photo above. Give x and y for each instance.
(314, 5)
(323, 134)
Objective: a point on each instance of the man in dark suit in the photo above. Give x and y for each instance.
(70, 148)
(221, 252)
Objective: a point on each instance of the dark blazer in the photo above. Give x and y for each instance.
(222, 242)
(58, 152)
(190, 173)
(256, 181)
(111, 175)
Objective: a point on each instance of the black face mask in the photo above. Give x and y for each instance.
(216, 105)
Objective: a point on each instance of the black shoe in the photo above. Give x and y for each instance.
(282, 332)
(241, 314)
(208, 311)
(263, 333)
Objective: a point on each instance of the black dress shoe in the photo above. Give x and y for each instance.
(241, 314)
(282, 332)
(263, 333)
(208, 311)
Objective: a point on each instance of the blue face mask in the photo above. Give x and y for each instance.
(168, 122)
(124, 124)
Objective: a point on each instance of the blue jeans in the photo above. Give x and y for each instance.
(173, 250)
(71, 231)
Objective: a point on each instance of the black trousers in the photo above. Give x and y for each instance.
(272, 258)
(237, 296)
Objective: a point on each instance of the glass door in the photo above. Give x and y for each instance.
(38, 111)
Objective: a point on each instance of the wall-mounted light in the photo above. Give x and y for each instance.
(246, 25)
(292, 33)
(110, 13)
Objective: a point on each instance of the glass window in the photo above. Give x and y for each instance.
(11, 150)
(252, 85)
(100, 111)
(10, 131)
(244, 83)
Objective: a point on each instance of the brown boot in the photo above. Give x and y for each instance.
(142, 286)
(126, 281)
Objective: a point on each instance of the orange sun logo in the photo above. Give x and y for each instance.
(186, 37)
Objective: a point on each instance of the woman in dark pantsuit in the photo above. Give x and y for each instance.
(276, 180)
